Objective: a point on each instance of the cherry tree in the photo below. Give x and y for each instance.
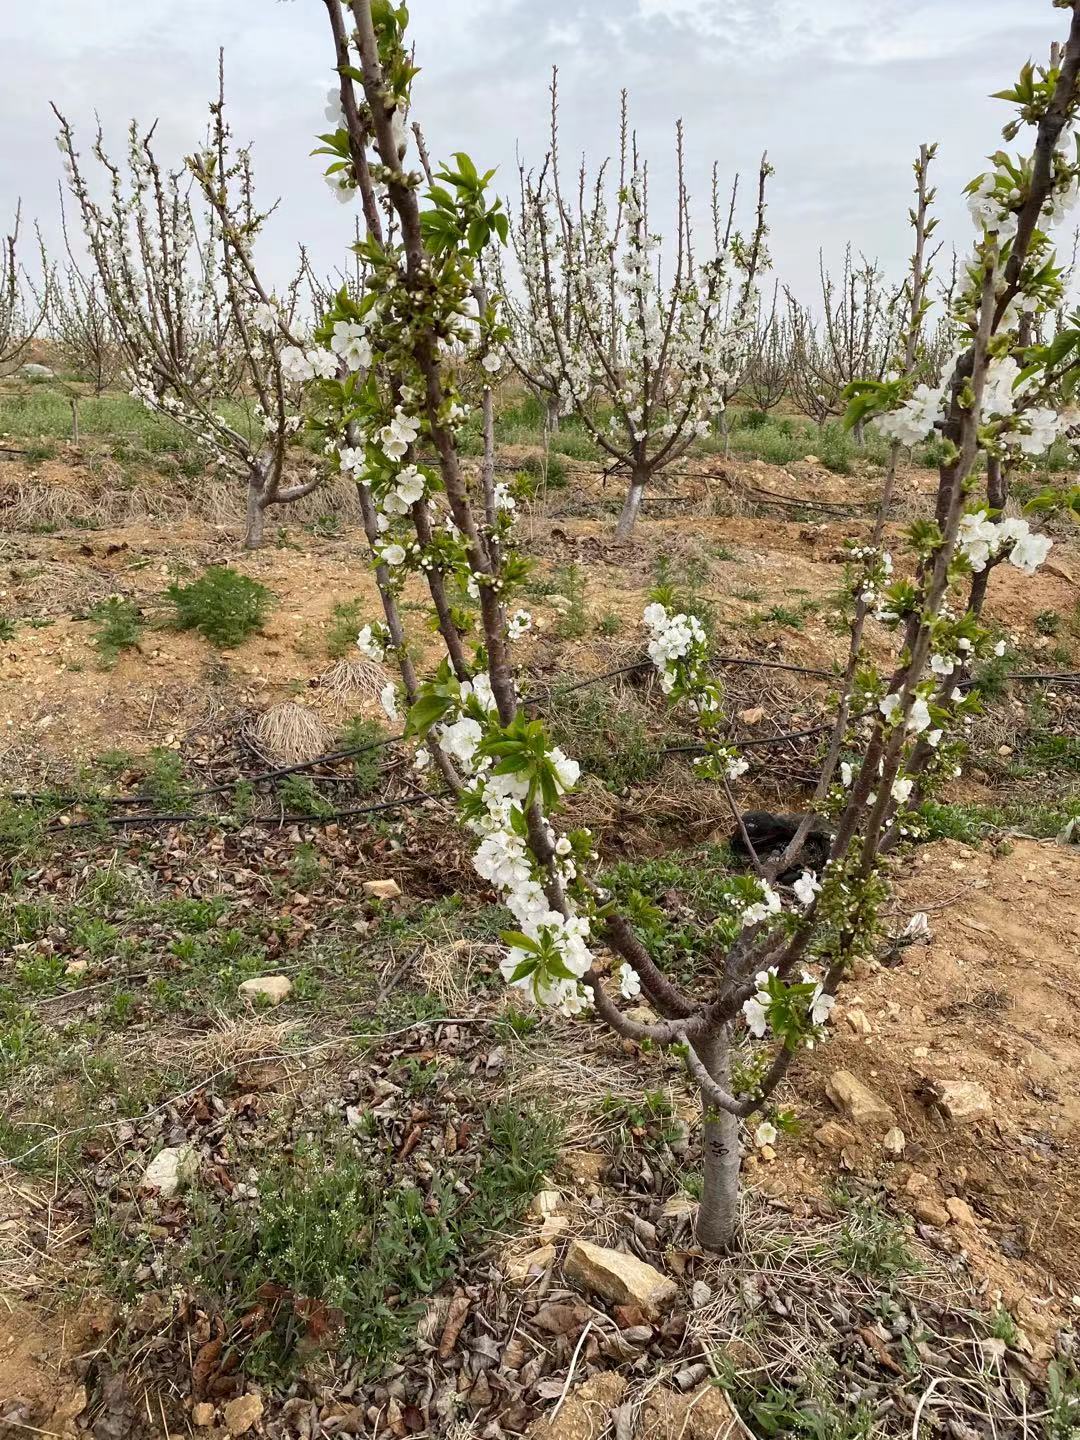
(658, 354)
(23, 307)
(531, 345)
(196, 325)
(769, 363)
(852, 340)
(393, 415)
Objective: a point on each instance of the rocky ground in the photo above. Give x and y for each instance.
(290, 1163)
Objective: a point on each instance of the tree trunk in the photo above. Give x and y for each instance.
(632, 506)
(253, 522)
(858, 431)
(74, 419)
(551, 418)
(725, 431)
(719, 1210)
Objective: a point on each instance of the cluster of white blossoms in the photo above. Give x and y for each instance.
(677, 646)
(519, 624)
(757, 1008)
(916, 417)
(877, 565)
(302, 365)
(918, 719)
(552, 973)
(981, 540)
(756, 912)
(373, 641)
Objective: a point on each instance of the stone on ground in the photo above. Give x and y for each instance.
(964, 1100)
(520, 1267)
(381, 889)
(271, 988)
(171, 1170)
(833, 1136)
(622, 1279)
(860, 1104)
(242, 1413)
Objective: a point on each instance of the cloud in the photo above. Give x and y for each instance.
(840, 92)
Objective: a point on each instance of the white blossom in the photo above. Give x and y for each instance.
(765, 1135)
(806, 887)
(388, 700)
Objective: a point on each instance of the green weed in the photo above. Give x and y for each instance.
(117, 626)
(224, 606)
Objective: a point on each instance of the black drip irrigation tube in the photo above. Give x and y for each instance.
(334, 757)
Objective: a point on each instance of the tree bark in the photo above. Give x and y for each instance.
(253, 521)
(632, 506)
(719, 1211)
(551, 418)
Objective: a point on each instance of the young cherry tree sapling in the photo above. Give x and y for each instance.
(776, 965)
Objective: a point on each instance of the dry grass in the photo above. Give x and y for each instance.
(32, 1235)
(289, 734)
(353, 679)
(239, 1041)
(35, 505)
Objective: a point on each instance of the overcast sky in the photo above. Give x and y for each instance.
(840, 92)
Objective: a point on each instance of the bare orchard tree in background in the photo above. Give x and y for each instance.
(82, 330)
(768, 367)
(657, 353)
(532, 347)
(852, 340)
(196, 326)
(23, 305)
(779, 955)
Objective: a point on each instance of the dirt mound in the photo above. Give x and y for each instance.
(992, 999)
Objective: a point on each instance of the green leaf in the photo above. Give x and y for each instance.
(424, 714)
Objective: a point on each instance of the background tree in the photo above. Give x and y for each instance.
(852, 341)
(767, 380)
(656, 354)
(23, 306)
(196, 325)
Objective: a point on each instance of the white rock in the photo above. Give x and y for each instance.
(171, 1170)
(273, 988)
(895, 1142)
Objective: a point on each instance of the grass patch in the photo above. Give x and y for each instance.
(224, 606)
(681, 906)
(607, 735)
(970, 823)
(43, 413)
(117, 624)
(871, 1242)
(367, 766)
(344, 1248)
(346, 622)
